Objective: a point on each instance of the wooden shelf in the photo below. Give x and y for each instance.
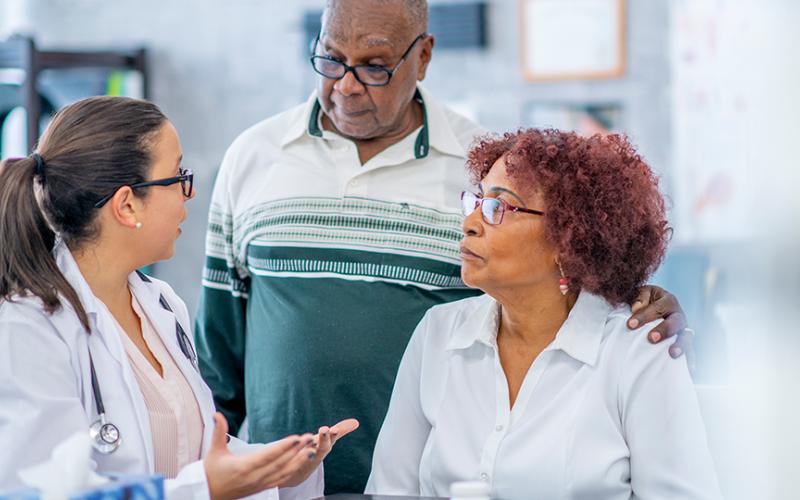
(22, 53)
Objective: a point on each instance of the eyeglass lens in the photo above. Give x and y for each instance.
(365, 74)
(491, 208)
(186, 184)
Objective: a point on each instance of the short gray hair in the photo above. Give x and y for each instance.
(417, 11)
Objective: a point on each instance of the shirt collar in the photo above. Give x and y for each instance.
(436, 131)
(306, 121)
(440, 130)
(480, 325)
(579, 336)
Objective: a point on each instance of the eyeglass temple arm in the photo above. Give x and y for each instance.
(526, 210)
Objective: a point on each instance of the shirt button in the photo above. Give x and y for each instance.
(498, 428)
(484, 476)
(354, 182)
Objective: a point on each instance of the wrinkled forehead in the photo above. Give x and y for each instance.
(367, 24)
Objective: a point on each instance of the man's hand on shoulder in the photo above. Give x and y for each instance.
(654, 303)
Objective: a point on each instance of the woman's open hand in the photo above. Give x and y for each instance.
(235, 476)
(322, 445)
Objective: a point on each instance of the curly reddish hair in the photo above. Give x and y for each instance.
(604, 213)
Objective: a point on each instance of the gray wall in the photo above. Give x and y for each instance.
(219, 67)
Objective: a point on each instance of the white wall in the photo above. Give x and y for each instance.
(219, 67)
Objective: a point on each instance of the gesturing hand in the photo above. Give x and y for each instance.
(235, 476)
(322, 445)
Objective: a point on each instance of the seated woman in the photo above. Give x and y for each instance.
(538, 388)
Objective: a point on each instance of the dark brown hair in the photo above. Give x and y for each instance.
(89, 150)
(605, 215)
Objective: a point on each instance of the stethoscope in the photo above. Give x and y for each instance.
(105, 436)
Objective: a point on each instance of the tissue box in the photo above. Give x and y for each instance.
(121, 488)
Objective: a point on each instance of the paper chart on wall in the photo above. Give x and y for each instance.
(713, 84)
(564, 39)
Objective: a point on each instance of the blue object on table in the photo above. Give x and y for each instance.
(122, 487)
(127, 488)
(20, 495)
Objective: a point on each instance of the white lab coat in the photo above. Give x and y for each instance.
(46, 391)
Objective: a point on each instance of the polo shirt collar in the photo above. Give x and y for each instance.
(579, 337)
(437, 125)
(314, 123)
(301, 124)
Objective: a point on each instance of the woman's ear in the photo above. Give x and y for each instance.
(126, 208)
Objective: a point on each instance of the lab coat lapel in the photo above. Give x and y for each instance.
(109, 327)
(106, 331)
(102, 323)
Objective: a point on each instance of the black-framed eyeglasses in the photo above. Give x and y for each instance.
(492, 209)
(373, 75)
(186, 178)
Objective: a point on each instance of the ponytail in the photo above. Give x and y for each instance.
(90, 149)
(27, 264)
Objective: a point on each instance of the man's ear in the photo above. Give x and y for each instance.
(425, 56)
(125, 206)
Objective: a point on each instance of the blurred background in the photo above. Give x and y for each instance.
(708, 90)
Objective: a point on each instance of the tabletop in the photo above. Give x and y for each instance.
(356, 496)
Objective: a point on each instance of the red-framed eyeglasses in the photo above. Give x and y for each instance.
(492, 209)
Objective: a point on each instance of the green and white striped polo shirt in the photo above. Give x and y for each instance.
(319, 268)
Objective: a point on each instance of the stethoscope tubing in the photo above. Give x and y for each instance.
(99, 442)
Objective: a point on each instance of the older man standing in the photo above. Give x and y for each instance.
(334, 226)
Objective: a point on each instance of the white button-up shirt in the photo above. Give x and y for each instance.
(601, 413)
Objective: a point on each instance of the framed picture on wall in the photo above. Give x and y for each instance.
(572, 39)
(585, 119)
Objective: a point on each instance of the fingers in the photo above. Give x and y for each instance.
(684, 345)
(219, 438)
(673, 325)
(308, 458)
(272, 457)
(291, 460)
(324, 441)
(289, 464)
(299, 468)
(642, 300)
(664, 306)
(344, 428)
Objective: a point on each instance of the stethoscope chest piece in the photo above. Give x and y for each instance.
(105, 436)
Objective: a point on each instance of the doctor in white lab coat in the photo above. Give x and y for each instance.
(103, 196)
